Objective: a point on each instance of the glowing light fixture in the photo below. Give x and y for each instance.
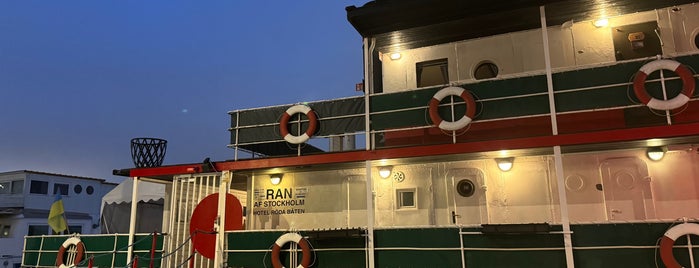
(275, 179)
(385, 171)
(395, 56)
(655, 153)
(601, 23)
(505, 164)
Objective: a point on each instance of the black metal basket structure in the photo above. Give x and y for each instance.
(148, 152)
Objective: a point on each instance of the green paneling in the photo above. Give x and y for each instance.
(518, 259)
(447, 237)
(99, 247)
(414, 258)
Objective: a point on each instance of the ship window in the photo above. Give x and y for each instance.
(39, 187)
(5, 187)
(407, 198)
(38, 230)
(77, 189)
(485, 70)
(432, 73)
(89, 190)
(696, 41)
(60, 188)
(17, 187)
(4, 231)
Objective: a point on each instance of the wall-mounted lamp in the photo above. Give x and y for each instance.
(395, 56)
(505, 164)
(275, 179)
(655, 153)
(385, 171)
(601, 23)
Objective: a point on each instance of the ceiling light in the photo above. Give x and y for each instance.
(601, 23)
(505, 164)
(275, 179)
(385, 171)
(655, 153)
(395, 56)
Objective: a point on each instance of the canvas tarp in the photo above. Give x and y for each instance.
(116, 207)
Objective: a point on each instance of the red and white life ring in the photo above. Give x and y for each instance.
(682, 71)
(284, 124)
(296, 238)
(455, 125)
(668, 241)
(74, 257)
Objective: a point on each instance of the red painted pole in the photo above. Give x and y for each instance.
(152, 249)
(89, 262)
(135, 262)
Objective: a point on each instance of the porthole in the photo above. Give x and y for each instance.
(485, 70)
(77, 189)
(89, 190)
(696, 40)
(465, 188)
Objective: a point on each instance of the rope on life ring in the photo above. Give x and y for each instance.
(295, 238)
(449, 125)
(74, 256)
(682, 71)
(284, 124)
(668, 241)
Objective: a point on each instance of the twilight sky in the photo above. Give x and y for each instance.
(80, 78)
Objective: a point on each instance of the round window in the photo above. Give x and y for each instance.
(485, 70)
(77, 189)
(465, 188)
(696, 41)
(89, 190)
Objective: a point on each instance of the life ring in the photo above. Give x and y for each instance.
(284, 124)
(291, 237)
(455, 125)
(682, 71)
(668, 241)
(76, 259)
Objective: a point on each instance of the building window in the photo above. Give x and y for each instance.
(60, 188)
(4, 231)
(38, 230)
(485, 70)
(78, 189)
(407, 198)
(39, 187)
(89, 190)
(432, 73)
(18, 187)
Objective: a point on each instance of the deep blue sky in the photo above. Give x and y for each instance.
(80, 78)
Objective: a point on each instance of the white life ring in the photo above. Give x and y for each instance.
(682, 71)
(295, 238)
(73, 258)
(284, 124)
(449, 125)
(668, 241)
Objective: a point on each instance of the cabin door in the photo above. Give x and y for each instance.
(470, 206)
(627, 189)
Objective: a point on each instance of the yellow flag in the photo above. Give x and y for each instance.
(56, 219)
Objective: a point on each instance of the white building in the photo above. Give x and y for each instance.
(25, 201)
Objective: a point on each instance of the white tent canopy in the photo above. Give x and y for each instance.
(116, 207)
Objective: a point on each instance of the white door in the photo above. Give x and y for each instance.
(470, 206)
(627, 189)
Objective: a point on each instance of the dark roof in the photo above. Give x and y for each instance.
(57, 174)
(405, 24)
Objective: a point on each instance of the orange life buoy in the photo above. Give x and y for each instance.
(284, 124)
(682, 71)
(296, 238)
(668, 241)
(458, 124)
(73, 257)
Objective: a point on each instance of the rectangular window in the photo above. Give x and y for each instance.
(39, 187)
(432, 73)
(60, 188)
(71, 229)
(18, 187)
(5, 187)
(4, 231)
(38, 230)
(407, 198)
